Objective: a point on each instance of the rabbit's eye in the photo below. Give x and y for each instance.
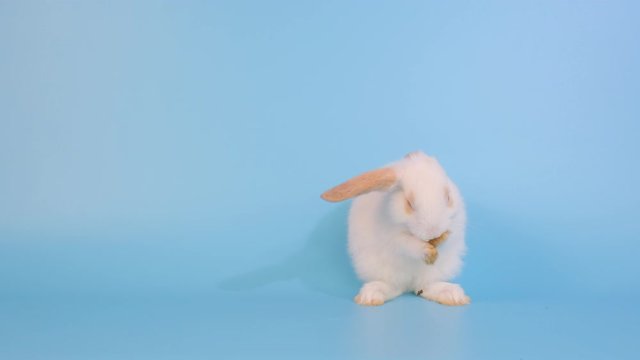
(447, 194)
(408, 204)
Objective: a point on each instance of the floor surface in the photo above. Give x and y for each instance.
(287, 321)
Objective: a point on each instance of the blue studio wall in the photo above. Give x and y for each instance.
(161, 164)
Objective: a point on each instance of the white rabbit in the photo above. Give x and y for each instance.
(398, 210)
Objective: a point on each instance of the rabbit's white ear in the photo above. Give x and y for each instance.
(379, 179)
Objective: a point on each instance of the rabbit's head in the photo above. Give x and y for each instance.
(420, 197)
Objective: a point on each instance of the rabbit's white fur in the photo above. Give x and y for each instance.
(387, 243)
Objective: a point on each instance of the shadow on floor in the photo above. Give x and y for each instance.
(322, 264)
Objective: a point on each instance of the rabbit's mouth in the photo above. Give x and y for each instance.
(434, 241)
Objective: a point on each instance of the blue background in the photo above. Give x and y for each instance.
(161, 165)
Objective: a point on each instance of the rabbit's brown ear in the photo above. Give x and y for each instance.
(378, 179)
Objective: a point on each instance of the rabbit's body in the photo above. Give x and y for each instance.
(389, 230)
(382, 252)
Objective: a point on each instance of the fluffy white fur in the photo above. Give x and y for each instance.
(387, 243)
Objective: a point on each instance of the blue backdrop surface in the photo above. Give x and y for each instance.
(161, 164)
